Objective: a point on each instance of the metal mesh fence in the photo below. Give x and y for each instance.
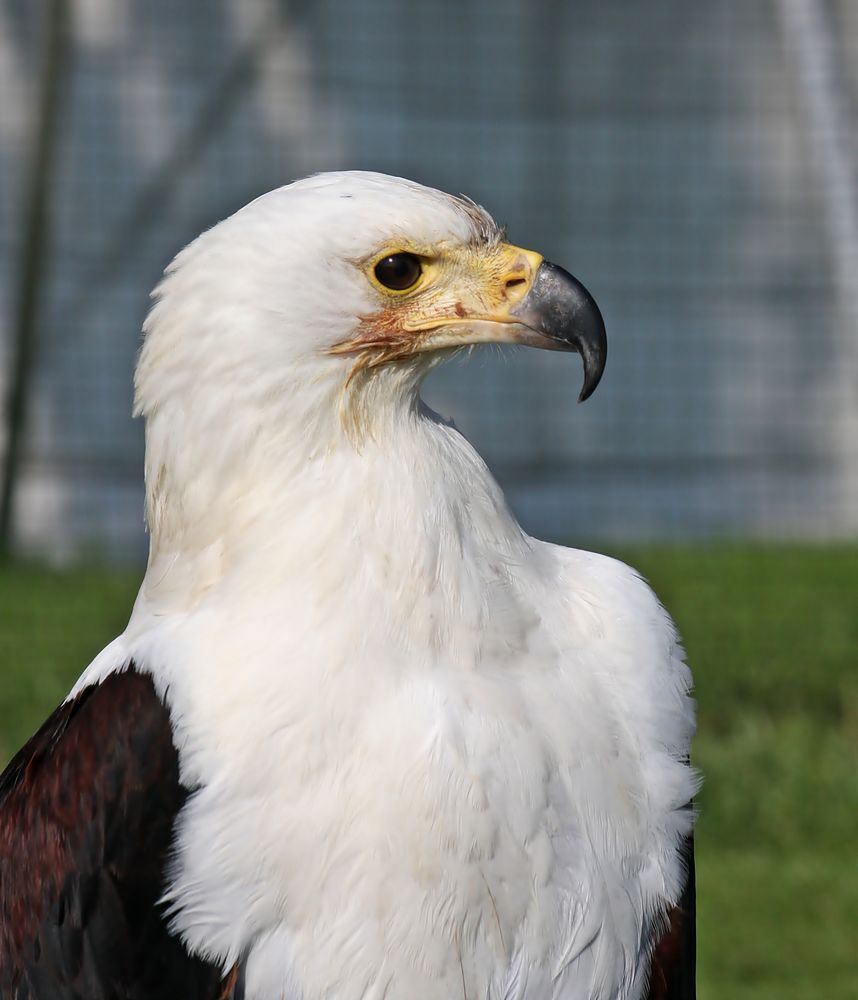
(693, 164)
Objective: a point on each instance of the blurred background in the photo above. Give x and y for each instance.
(694, 164)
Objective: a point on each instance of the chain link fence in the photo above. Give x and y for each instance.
(694, 165)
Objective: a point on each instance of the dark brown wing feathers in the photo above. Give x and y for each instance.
(87, 810)
(673, 973)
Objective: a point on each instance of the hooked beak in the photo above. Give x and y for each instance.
(561, 315)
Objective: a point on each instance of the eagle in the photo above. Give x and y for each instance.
(363, 738)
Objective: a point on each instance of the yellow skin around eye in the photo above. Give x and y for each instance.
(424, 255)
(457, 285)
(414, 271)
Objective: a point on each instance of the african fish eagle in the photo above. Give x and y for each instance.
(363, 737)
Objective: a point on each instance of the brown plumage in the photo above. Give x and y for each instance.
(673, 969)
(87, 809)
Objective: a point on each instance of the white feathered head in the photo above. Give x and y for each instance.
(316, 310)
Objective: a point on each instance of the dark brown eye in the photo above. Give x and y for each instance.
(398, 271)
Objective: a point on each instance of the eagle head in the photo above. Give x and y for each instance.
(320, 306)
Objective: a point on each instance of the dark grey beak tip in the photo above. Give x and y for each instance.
(560, 308)
(594, 360)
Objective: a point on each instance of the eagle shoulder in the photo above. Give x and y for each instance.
(87, 810)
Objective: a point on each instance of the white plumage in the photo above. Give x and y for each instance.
(435, 757)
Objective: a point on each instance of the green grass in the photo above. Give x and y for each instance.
(52, 623)
(772, 636)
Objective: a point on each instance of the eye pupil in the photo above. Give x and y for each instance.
(398, 271)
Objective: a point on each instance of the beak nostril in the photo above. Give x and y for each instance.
(514, 285)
